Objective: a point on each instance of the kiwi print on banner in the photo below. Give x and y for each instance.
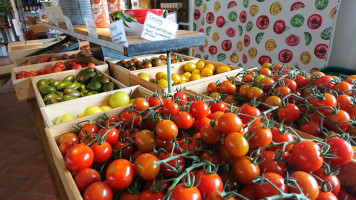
(248, 33)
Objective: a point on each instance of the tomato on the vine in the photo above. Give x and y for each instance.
(341, 149)
(306, 156)
(208, 183)
(86, 177)
(145, 141)
(199, 109)
(247, 109)
(244, 170)
(180, 192)
(307, 183)
(79, 157)
(145, 166)
(236, 144)
(267, 190)
(166, 130)
(98, 190)
(229, 122)
(140, 104)
(288, 114)
(120, 174)
(178, 163)
(102, 152)
(181, 97)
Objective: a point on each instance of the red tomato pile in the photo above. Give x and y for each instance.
(318, 104)
(168, 147)
(58, 67)
(51, 59)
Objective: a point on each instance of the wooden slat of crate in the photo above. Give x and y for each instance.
(179, 69)
(16, 52)
(60, 76)
(34, 59)
(23, 87)
(50, 113)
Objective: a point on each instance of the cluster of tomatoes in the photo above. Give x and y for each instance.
(58, 67)
(172, 148)
(135, 64)
(318, 104)
(50, 58)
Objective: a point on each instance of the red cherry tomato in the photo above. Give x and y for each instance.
(342, 150)
(79, 157)
(86, 177)
(289, 114)
(209, 183)
(120, 174)
(267, 190)
(180, 192)
(306, 156)
(98, 190)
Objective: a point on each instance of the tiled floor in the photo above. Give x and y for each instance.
(23, 170)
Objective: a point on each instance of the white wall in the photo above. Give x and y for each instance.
(343, 52)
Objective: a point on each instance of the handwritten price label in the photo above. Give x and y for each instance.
(91, 28)
(69, 24)
(158, 28)
(117, 33)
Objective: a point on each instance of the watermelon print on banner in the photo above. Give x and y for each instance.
(248, 33)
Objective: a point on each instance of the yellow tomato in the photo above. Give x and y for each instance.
(266, 65)
(187, 74)
(165, 77)
(200, 64)
(194, 77)
(183, 78)
(197, 71)
(105, 108)
(144, 76)
(81, 115)
(215, 95)
(210, 66)
(92, 110)
(159, 75)
(189, 67)
(207, 72)
(163, 83)
(65, 118)
(222, 69)
(181, 82)
(175, 78)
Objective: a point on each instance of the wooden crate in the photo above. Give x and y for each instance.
(34, 59)
(22, 43)
(50, 113)
(23, 87)
(23, 49)
(179, 69)
(53, 135)
(123, 75)
(60, 76)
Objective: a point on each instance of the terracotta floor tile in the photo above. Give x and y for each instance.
(7, 161)
(5, 181)
(27, 196)
(45, 188)
(13, 188)
(22, 171)
(51, 198)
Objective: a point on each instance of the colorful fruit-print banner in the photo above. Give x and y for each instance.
(248, 33)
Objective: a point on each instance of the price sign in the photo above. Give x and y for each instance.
(17, 27)
(158, 28)
(54, 18)
(69, 24)
(91, 28)
(41, 13)
(117, 33)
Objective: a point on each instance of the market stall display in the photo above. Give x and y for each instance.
(21, 76)
(274, 131)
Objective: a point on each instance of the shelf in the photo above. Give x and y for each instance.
(137, 45)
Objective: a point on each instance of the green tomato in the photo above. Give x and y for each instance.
(65, 118)
(258, 78)
(119, 99)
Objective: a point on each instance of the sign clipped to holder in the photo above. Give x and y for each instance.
(17, 27)
(41, 12)
(117, 33)
(54, 18)
(158, 28)
(69, 24)
(91, 28)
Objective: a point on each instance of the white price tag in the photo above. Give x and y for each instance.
(117, 33)
(158, 28)
(17, 27)
(54, 18)
(69, 24)
(41, 13)
(91, 28)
